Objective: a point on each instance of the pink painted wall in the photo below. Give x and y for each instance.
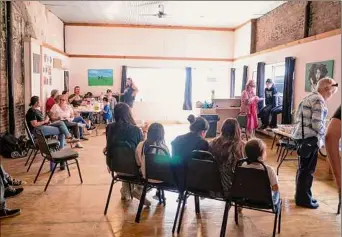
(315, 51)
(47, 27)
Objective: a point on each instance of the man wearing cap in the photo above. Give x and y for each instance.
(270, 101)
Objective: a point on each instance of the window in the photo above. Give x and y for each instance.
(276, 72)
(238, 81)
(159, 84)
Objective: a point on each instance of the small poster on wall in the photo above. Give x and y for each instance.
(100, 77)
(316, 71)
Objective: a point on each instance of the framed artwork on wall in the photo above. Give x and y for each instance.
(100, 77)
(36, 63)
(66, 80)
(316, 71)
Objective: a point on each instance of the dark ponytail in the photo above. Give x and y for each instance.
(199, 125)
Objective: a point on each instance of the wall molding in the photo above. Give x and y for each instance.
(243, 24)
(165, 27)
(279, 47)
(294, 43)
(151, 57)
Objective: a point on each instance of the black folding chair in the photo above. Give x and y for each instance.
(203, 179)
(251, 189)
(286, 146)
(33, 147)
(242, 120)
(160, 166)
(57, 157)
(120, 159)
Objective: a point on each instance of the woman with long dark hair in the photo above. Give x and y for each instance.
(227, 150)
(124, 129)
(130, 92)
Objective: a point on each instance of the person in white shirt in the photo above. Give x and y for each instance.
(63, 111)
(255, 150)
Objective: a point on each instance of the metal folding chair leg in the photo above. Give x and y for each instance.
(225, 219)
(182, 213)
(79, 171)
(109, 195)
(33, 158)
(53, 171)
(41, 166)
(141, 204)
(180, 199)
(29, 156)
(197, 205)
(236, 214)
(67, 165)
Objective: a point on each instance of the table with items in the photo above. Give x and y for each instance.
(94, 110)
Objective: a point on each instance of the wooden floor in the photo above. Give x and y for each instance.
(71, 209)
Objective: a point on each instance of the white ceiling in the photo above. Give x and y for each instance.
(180, 13)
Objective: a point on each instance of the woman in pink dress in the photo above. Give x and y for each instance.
(249, 106)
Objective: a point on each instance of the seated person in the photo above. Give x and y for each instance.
(4, 211)
(123, 129)
(155, 136)
(66, 93)
(107, 113)
(35, 120)
(76, 99)
(255, 150)
(184, 145)
(276, 110)
(227, 150)
(64, 112)
(51, 101)
(270, 100)
(10, 182)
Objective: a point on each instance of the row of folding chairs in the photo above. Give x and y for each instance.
(199, 177)
(49, 149)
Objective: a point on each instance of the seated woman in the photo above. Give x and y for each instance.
(35, 120)
(183, 145)
(64, 112)
(155, 136)
(227, 150)
(124, 129)
(255, 150)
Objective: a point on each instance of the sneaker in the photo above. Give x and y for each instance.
(12, 192)
(92, 127)
(15, 182)
(136, 195)
(5, 213)
(84, 138)
(72, 140)
(78, 145)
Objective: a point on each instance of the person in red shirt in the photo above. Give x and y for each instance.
(52, 100)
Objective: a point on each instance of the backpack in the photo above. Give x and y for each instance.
(13, 147)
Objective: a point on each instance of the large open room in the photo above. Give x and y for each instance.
(170, 118)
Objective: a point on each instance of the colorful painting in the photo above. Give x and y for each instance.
(316, 71)
(100, 77)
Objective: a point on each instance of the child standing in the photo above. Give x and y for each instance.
(107, 113)
(111, 100)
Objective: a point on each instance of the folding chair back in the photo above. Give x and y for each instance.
(159, 166)
(251, 187)
(242, 120)
(121, 159)
(42, 144)
(202, 176)
(29, 134)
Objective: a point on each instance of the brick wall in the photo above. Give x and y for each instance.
(3, 74)
(287, 22)
(282, 25)
(325, 16)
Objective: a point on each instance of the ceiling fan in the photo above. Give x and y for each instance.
(160, 14)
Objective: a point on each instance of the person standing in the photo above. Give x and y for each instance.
(130, 92)
(270, 101)
(111, 100)
(332, 144)
(276, 110)
(249, 104)
(308, 132)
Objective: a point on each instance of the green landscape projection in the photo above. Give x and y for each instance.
(100, 77)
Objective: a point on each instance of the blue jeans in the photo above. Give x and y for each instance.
(56, 128)
(79, 119)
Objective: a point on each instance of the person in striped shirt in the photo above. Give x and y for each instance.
(310, 122)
